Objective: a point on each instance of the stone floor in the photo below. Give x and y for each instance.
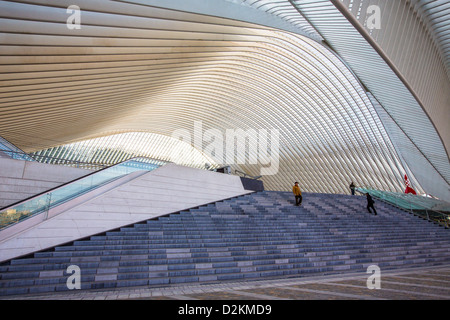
(407, 284)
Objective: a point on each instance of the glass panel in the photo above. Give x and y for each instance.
(428, 208)
(42, 203)
(12, 151)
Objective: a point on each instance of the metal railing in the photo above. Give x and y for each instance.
(427, 208)
(245, 175)
(20, 155)
(13, 152)
(42, 202)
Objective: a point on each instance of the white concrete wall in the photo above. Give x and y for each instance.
(168, 189)
(22, 179)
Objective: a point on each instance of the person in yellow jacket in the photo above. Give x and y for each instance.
(298, 194)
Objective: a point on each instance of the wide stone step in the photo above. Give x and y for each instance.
(183, 256)
(215, 246)
(247, 241)
(54, 281)
(276, 225)
(288, 231)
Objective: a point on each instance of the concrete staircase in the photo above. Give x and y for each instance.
(257, 236)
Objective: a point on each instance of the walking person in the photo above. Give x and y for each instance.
(297, 193)
(370, 203)
(352, 188)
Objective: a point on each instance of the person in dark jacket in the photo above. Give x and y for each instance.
(352, 188)
(370, 203)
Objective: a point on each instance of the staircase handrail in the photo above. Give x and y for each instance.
(413, 206)
(245, 175)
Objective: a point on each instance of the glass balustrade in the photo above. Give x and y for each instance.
(428, 208)
(11, 151)
(43, 202)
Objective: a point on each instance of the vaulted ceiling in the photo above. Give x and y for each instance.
(168, 67)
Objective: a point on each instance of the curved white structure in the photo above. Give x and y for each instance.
(167, 67)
